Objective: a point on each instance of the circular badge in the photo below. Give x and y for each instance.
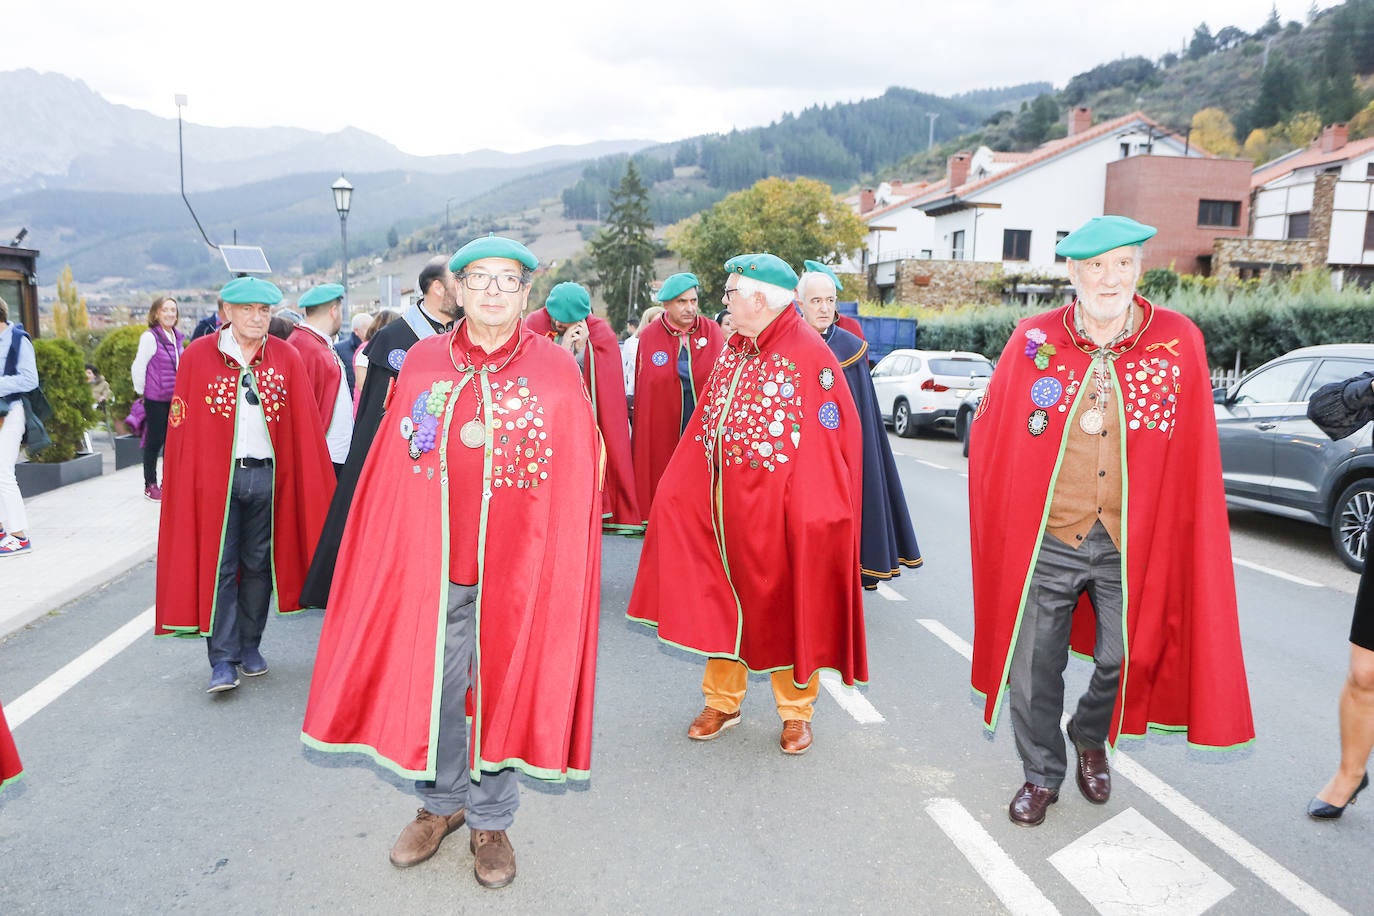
(829, 414)
(395, 358)
(660, 358)
(787, 390)
(407, 427)
(775, 428)
(1046, 391)
(827, 378)
(1038, 422)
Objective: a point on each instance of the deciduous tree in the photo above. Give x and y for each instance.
(69, 316)
(1214, 132)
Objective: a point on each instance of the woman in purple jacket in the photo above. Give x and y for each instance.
(155, 371)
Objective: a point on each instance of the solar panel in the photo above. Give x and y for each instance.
(244, 259)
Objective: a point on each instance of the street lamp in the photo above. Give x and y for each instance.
(343, 199)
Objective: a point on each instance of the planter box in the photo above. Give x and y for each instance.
(35, 478)
(128, 452)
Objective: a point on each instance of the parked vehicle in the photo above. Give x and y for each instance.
(921, 389)
(964, 419)
(1276, 460)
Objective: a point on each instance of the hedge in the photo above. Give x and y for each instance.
(62, 375)
(114, 357)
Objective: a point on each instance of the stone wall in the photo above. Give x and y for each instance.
(942, 284)
(1230, 256)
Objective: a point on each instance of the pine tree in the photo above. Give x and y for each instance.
(624, 250)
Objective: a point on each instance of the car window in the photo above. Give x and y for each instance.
(1336, 370)
(1274, 385)
(964, 367)
(884, 367)
(912, 364)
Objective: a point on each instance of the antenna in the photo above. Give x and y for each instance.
(181, 169)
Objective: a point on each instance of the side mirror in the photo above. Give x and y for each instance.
(1218, 395)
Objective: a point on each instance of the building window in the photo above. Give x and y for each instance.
(1299, 225)
(1369, 232)
(1059, 237)
(1218, 213)
(956, 244)
(1125, 150)
(1369, 171)
(1016, 244)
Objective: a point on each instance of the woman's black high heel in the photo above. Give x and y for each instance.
(1326, 812)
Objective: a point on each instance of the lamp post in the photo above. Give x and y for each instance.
(343, 199)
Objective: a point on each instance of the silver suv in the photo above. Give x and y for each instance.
(1276, 460)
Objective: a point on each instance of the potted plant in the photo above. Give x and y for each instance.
(114, 357)
(62, 373)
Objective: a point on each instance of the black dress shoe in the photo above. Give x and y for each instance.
(1028, 806)
(1094, 777)
(1324, 811)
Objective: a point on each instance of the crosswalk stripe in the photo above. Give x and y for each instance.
(1287, 577)
(1012, 886)
(948, 637)
(890, 593)
(850, 700)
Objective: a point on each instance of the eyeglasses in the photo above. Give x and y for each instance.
(729, 290)
(480, 282)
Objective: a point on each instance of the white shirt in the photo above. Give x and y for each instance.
(628, 350)
(251, 439)
(340, 432)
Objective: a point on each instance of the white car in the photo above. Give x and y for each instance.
(922, 389)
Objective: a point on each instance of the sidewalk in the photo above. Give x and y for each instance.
(83, 535)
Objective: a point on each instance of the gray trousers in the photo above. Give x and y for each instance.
(244, 588)
(1036, 683)
(490, 801)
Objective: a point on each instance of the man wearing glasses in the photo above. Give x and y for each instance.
(752, 552)
(247, 485)
(675, 354)
(471, 561)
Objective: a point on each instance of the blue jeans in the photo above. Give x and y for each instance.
(245, 567)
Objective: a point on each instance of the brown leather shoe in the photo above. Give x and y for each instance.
(1029, 805)
(493, 858)
(710, 723)
(421, 837)
(796, 736)
(1094, 777)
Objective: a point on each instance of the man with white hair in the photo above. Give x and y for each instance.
(1098, 522)
(348, 347)
(888, 543)
(756, 561)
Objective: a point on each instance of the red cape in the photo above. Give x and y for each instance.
(198, 464)
(658, 395)
(850, 324)
(1184, 669)
(10, 767)
(605, 380)
(322, 368)
(769, 476)
(378, 670)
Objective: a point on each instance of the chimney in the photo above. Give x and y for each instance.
(1080, 119)
(1334, 136)
(866, 201)
(958, 168)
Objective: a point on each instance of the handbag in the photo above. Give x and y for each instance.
(1327, 408)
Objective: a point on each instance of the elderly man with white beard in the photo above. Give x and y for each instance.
(1098, 523)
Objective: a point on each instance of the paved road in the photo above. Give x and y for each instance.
(146, 795)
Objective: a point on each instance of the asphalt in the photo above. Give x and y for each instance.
(84, 535)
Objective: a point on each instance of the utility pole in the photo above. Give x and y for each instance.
(932, 115)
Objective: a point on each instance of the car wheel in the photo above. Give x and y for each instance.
(1350, 523)
(902, 423)
(965, 429)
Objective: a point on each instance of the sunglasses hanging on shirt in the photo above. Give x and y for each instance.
(250, 395)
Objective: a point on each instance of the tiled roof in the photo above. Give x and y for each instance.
(1308, 158)
(910, 192)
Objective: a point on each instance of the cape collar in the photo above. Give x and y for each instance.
(1088, 346)
(750, 346)
(675, 331)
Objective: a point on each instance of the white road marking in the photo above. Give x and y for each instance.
(1287, 577)
(1129, 867)
(72, 673)
(1294, 889)
(1012, 886)
(931, 464)
(948, 637)
(850, 700)
(890, 593)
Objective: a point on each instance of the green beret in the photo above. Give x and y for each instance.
(1103, 233)
(766, 268)
(676, 285)
(492, 246)
(320, 295)
(250, 291)
(826, 269)
(568, 303)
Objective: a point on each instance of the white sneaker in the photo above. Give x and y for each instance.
(11, 546)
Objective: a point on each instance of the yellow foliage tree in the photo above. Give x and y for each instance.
(1214, 132)
(1302, 128)
(1262, 146)
(1362, 125)
(69, 315)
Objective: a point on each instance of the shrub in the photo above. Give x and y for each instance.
(114, 357)
(62, 373)
(1158, 284)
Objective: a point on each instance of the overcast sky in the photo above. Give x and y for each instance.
(435, 77)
